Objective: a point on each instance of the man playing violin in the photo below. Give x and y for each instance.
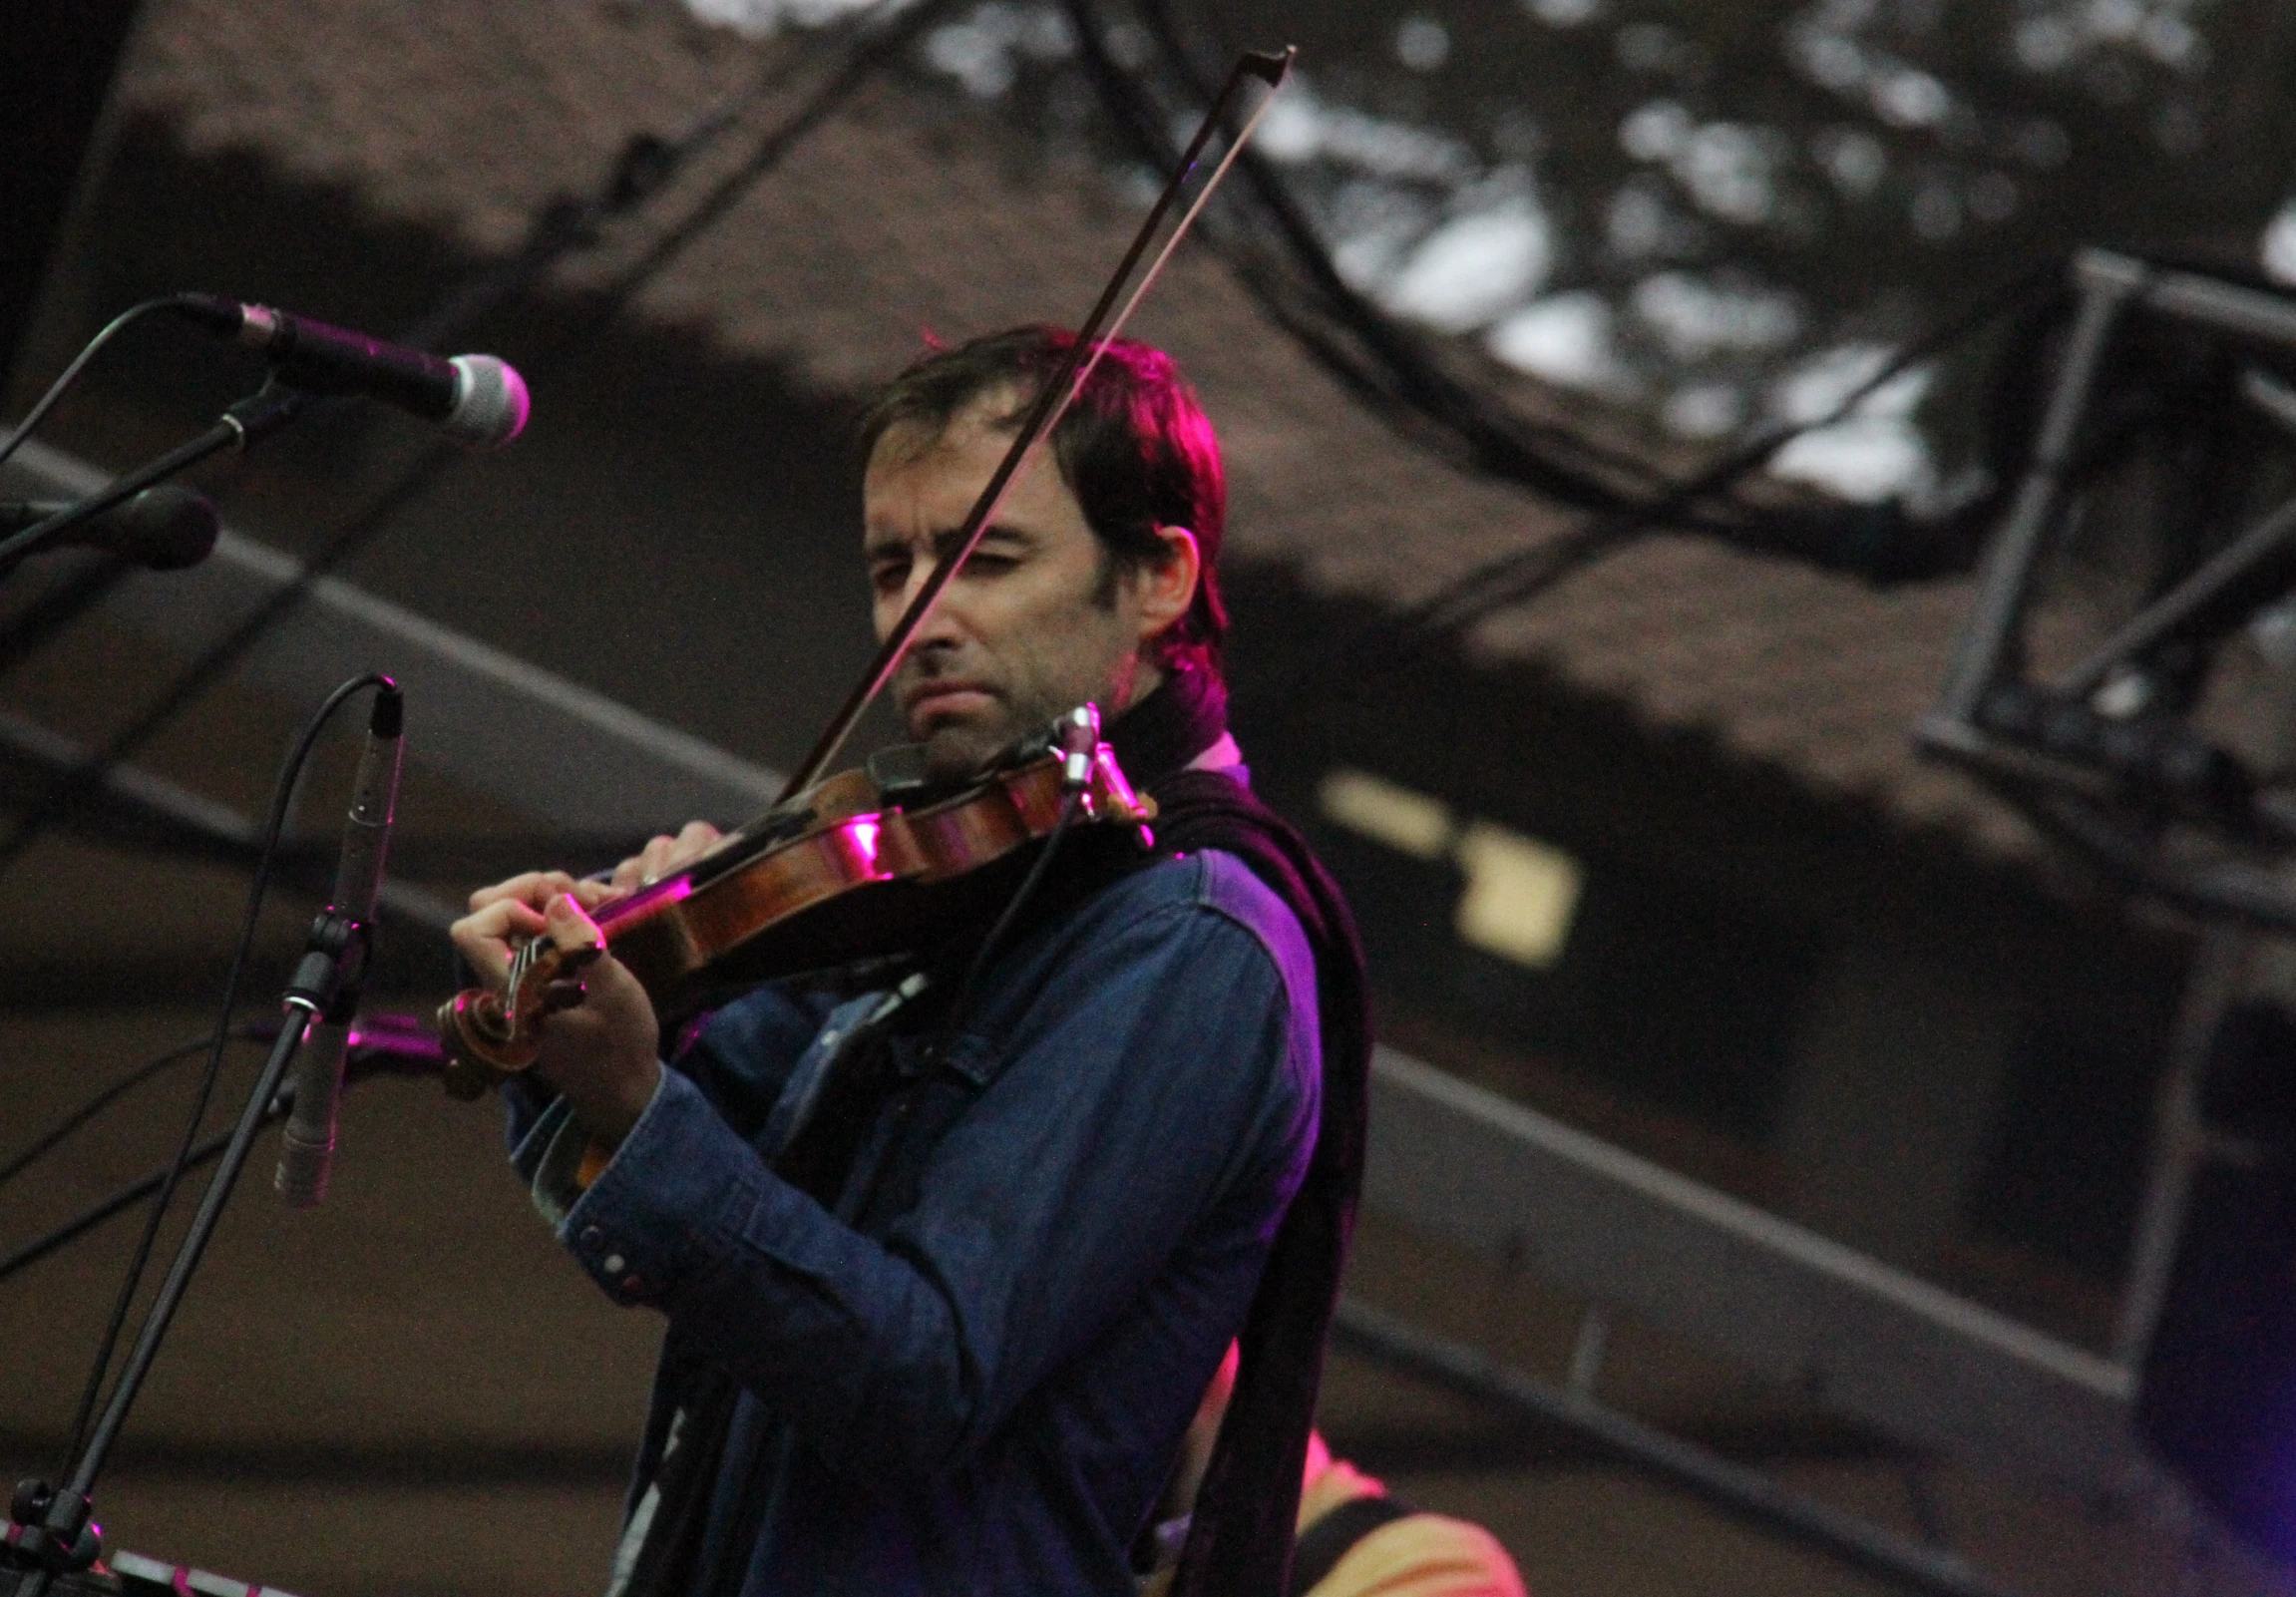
(950, 1249)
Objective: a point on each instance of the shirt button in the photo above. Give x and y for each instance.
(616, 1264)
(592, 1236)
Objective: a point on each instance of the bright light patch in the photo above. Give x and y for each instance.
(1564, 338)
(1476, 268)
(1855, 160)
(1873, 454)
(1697, 320)
(1702, 410)
(1726, 168)
(1657, 131)
(2280, 244)
(1866, 459)
(1410, 822)
(1300, 128)
(1911, 98)
(1521, 894)
(1817, 387)
(754, 19)
(820, 13)
(1423, 44)
(1832, 60)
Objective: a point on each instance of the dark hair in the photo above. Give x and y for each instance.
(1135, 449)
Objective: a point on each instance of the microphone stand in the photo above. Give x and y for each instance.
(247, 421)
(58, 1531)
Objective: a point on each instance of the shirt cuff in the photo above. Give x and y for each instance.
(551, 1157)
(659, 1208)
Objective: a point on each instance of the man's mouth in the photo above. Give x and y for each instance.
(946, 701)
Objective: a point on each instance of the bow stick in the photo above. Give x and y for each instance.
(1054, 397)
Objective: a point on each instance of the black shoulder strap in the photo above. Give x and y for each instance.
(1323, 1544)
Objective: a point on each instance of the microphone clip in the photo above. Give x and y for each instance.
(333, 972)
(53, 1530)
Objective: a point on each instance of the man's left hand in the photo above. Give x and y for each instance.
(600, 1042)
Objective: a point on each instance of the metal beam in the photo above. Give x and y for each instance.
(552, 747)
(1911, 1360)
(1374, 1332)
(202, 822)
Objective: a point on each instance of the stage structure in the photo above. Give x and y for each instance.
(1918, 1364)
(2127, 678)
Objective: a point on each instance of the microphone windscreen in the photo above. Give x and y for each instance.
(165, 529)
(491, 403)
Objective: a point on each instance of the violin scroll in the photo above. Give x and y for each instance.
(490, 1035)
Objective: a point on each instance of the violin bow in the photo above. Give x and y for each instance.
(1057, 394)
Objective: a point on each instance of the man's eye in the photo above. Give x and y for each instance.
(888, 576)
(985, 564)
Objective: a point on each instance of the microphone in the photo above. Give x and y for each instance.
(475, 399)
(307, 1149)
(394, 1045)
(163, 528)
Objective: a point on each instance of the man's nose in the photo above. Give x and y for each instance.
(945, 626)
(919, 574)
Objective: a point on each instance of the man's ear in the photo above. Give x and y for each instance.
(1167, 587)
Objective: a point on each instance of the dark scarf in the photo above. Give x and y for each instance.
(1240, 1539)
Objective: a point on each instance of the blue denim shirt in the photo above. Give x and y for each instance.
(978, 1386)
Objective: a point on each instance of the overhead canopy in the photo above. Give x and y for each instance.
(909, 214)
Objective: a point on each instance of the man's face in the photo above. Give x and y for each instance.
(1023, 631)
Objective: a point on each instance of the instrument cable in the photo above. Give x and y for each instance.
(71, 373)
(55, 1135)
(1072, 804)
(282, 796)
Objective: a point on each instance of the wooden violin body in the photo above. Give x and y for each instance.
(838, 874)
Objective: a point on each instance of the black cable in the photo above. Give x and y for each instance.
(1527, 572)
(1369, 352)
(71, 374)
(1395, 374)
(1072, 804)
(282, 796)
(47, 1141)
(378, 1056)
(1510, 579)
(103, 1209)
(644, 167)
(1398, 376)
(1514, 577)
(67, 791)
(1407, 388)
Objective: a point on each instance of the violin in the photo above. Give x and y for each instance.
(869, 861)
